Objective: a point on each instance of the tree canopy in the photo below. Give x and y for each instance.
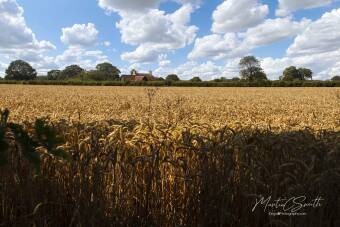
(292, 73)
(250, 69)
(20, 70)
(306, 73)
(172, 77)
(54, 75)
(196, 79)
(72, 71)
(111, 72)
(335, 78)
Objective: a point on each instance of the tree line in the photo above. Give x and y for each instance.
(250, 70)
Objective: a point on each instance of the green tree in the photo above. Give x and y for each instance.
(111, 71)
(54, 75)
(306, 73)
(335, 78)
(291, 73)
(96, 75)
(172, 77)
(20, 70)
(250, 69)
(196, 79)
(72, 71)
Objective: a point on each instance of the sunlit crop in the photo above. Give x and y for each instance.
(167, 156)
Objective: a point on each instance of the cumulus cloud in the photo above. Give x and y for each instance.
(321, 36)
(17, 40)
(273, 30)
(237, 15)
(206, 71)
(288, 6)
(317, 47)
(217, 47)
(85, 58)
(125, 7)
(163, 60)
(81, 35)
(16, 37)
(156, 33)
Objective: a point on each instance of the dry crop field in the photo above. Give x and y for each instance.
(133, 156)
(278, 108)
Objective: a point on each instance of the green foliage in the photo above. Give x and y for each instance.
(217, 83)
(172, 77)
(95, 75)
(292, 73)
(222, 79)
(111, 72)
(20, 70)
(250, 69)
(45, 136)
(54, 75)
(71, 71)
(335, 78)
(306, 73)
(196, 79)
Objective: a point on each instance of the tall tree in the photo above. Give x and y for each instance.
(335, 78)
(111, 71)
(72, 71)
(250, 69)
(54, 75)
(306, 73)
(196, 79)
(20, 70)
(292, 73)
(172, 77)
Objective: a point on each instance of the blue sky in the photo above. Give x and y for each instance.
(188, 37)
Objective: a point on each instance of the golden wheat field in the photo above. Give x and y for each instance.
(134, 156)
(277, 108)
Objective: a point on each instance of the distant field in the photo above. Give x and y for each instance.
(280, 108)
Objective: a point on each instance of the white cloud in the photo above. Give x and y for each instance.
(324, 65)
(143, 54)
(15, 36)
(107, 43)
(288, 6)
(156, 33)
(127, 5)
(273, 30)
(163, 60)
(321, 36)
(85, 58)
(81, 35)
(17, 40)
(317, 47)
(237, 15)
(217, 47)
(206, 71)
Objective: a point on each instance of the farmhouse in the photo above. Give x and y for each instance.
(136, 76)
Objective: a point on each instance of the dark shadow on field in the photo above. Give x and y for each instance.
(142, 174)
